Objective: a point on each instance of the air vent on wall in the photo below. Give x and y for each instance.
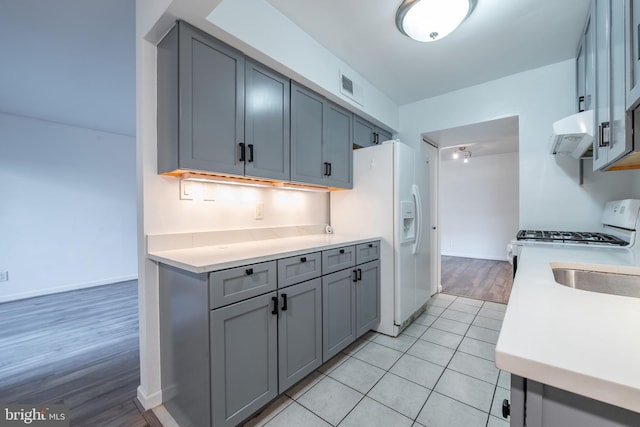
(351, 89)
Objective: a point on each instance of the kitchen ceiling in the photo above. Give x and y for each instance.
(500, 37)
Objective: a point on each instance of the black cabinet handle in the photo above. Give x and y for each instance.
(580, 106)
(341, 251)
(370, 245)
(275, 305)
(601, 134)
(249, 271)
(303, 259)
(329, 169)
(359, 274)
(250, 153)
(284, 302)
(355, 276)
(506, 408)
(242, 151)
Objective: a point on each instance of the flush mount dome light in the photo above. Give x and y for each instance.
(431, 20)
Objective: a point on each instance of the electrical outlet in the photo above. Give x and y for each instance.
(260, 211)
(4, 276)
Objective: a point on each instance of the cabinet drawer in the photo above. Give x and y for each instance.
(297, 269)
(236, 284)
(338, 259)
(366, 252)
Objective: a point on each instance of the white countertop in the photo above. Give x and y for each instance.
(584, 342)
(217, 257)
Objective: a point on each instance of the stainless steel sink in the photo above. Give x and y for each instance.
(598, 281)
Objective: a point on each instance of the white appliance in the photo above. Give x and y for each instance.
(390, 199)
(572, 136)
(620, 222)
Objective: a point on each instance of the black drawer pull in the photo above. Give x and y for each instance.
(506, 408)
(355, 275)
(370, 245)
(275, 305)
(341, 251)
(303, 259)
(284, 302)
(249, 271)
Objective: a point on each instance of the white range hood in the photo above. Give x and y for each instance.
(572, 136)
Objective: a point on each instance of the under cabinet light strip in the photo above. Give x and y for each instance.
(251, 182)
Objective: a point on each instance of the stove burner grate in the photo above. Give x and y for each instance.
(570, 237)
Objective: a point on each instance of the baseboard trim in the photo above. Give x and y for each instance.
(149, 401)
(65, 288)
(164, 416)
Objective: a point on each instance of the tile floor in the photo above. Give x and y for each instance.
(439, 372)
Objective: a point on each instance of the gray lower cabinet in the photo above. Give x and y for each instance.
(299, 332)
(534, 404)
(200, 103)
(244, 364)
(367, 297)
(338, 312)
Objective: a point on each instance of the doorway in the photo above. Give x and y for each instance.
(478, 206)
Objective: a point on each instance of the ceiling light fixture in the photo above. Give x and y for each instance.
(462, 151)
(431, 20)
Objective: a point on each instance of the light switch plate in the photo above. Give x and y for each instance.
(260, 211)
(4, 276)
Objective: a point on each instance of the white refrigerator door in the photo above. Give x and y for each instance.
(368, 209)
(422, 252)
(405, 279)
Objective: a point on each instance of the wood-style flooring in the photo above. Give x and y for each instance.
(79, 348)
(477, 278)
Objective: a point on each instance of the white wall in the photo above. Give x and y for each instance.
(479, 206)
(550, 196)
(68, 207)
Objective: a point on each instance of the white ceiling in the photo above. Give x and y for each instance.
(500, 37)
(69, 61)
(482, 139)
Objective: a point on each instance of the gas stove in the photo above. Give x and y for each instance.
(619, 222)
(578, 237)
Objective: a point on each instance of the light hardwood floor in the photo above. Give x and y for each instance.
(79, 348)
(477, 278)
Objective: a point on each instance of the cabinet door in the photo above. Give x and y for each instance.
(307, 113)
(585, 68)
(299, 332)
(382, 135)
(211, 103)
(337, 146)
(267, 123)
(367, 297)
(243, 359)
(363, 132)
(619, 143)
(602, 115)
(338, 312)
(633, 52)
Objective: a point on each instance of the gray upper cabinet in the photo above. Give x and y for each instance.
(244, 346)
(200, 103)
(337, 152)
(307, 115)
(266, 123)
(633, 52)
(321, 135)
(367, 297)
(612, 139)
(366, 134)
(585, 68)
(299, 332)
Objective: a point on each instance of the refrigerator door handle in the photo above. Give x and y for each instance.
(415, 191)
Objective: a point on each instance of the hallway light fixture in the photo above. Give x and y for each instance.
(462, 151)
(431, 20)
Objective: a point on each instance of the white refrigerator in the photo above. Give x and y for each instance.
(390, 199)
